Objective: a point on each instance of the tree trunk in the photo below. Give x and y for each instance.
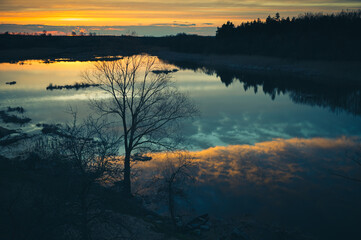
(126, 181)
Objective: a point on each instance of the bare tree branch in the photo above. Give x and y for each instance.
(148, 104)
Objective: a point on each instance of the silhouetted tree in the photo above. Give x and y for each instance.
(277, 17)
(148, 105)
(226, 30)
(90, 149)
(175, 175)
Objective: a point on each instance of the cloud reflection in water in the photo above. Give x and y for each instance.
(285, 181)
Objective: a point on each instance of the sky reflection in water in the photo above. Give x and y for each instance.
(229, 115)
(287, 182)
(270, 158)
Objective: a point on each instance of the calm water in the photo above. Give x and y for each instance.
(265, 150)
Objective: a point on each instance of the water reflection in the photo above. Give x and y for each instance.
(285, 177)
(328, 93)
(287, 182)
(230, 116)
(270, 163)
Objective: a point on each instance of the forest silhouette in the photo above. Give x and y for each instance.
(316, 36)
(309, 36)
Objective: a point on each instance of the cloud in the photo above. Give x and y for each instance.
(273, 176)
(184, 24)
(268, 163)
(176, 24)
(273, 181)
(79, 30)
(116, 12)
(115, 29)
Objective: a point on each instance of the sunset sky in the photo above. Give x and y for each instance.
(152, 17)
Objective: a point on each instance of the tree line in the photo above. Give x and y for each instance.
(311, 35)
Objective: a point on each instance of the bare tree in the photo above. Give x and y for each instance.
(175, 175)
(90, 148)
(147, 103)
(356, 158)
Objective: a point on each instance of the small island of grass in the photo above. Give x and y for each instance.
(75, 86)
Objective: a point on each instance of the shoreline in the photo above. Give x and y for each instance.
(345, 72)
(336, 71)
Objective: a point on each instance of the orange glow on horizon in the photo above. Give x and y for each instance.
(143, 13)
(121, 18)
(108, 18)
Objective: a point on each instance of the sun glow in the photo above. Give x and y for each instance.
(102, 18)
(76, 19)
(117, 12)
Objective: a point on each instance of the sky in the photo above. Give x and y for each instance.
(151, 17)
